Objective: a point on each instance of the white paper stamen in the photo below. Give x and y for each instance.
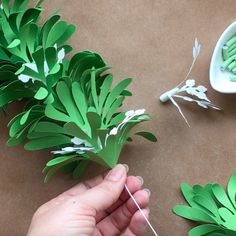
(25, 78)
(198, 93)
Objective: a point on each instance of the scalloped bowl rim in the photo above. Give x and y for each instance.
(219, 80)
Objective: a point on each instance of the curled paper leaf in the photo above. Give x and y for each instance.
(211, 206)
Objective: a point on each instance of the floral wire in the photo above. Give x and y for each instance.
(141, 211)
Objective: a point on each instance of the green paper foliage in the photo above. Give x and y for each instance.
(35, 51)
(72, 107)
(212, 206)
(87, 112)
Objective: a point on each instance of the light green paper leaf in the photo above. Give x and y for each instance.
(231, 188)
(53, 113)
(193, 214)
(205, 229)
(58, 160)
(41, 94)
(14, 43)
(207, 204)
(222, 197)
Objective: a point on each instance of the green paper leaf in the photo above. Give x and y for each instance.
(95, 123)
(14, 43)
(74, 130)
(104, 91)
(188, 193)
(114, 93)
(208, 205)
(79, 170)
(39, 3)
(52, 170)
(117, 119)
(66, 99)
(193, 214)
(114, 107)
(222, 197)
(47, 28)
(53, 113)
(5, 4)
(149, 136)
(80, 100)
(41, 94)
(205, 229)
(67, 34)
(59, 160)
(38, 144)
(231, 188)
(94, 89)
(50, 127)
(228, 218)
(25, 117)
(55, 33)
(51, 57)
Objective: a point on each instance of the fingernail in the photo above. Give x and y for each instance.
(147, 191)
(140, 179)
(142, 225)
(116, 173)
(126, 167)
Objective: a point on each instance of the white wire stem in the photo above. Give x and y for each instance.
(141, 211)
(180, 111)
(186, 77)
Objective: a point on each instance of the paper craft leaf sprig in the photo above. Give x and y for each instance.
(72, 107)
(212, 206)
(197, 93)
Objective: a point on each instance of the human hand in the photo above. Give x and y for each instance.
(97, 207)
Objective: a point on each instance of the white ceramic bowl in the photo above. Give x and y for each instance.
(220, 79)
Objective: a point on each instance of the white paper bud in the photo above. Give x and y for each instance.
(139, 112)
(76, 141)
(129, 113)
(114, 131)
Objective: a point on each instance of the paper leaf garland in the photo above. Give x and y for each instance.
(72, 108)
(197, 93)
(212, 206)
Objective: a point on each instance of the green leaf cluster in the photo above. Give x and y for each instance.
(24, 42)
(72, 107)
(212, 206)
(88, 112)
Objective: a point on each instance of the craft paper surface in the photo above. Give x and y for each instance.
(150, 41)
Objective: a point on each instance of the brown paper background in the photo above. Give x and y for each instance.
(150, 41)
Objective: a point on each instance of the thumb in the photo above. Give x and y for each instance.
(106, 193)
